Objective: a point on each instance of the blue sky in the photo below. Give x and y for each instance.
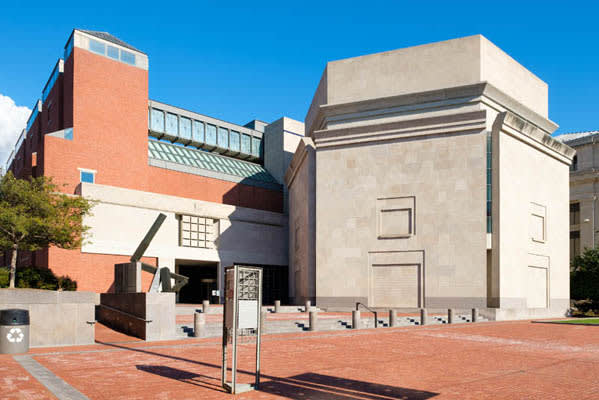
(240, 61)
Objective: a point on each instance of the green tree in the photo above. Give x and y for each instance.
(34, 215)
(584, 276)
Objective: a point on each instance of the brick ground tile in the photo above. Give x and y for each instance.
(504, 360)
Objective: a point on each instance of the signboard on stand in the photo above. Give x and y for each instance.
(241, 320)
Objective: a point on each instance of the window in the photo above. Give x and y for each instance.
(234, 141)
(196, 231)
(87, 176)
(157, 120)
(574, 213)
(127, 57)
(246, 143)
(198, 131)
(185, 128)
(172, 124)
(97, 47)
(112, 52)
(256, 147)
(223, 138)
(489, 183)
(574, 244)
(211, 135)
(574, 165)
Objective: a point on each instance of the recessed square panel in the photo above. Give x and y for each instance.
(396, 222)
(396, 217)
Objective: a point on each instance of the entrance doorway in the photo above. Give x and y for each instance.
(203, 279)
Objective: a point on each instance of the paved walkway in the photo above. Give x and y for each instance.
(495, 360)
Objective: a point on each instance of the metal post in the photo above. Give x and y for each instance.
(205, 306)
(474, 315)
(313, 320)
(392, 318)
(263, 314)
(234, 330)
(450, 315)
(423, 316)
(355, 319)
(308, 304)
(199, 323)
(261, 323)
(277, 306)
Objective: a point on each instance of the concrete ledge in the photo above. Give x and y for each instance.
(57, 318)
(149, 316)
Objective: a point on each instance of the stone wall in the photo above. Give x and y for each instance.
(57, 318)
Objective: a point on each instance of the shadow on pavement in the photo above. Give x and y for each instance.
(325, 387)
(306, 386)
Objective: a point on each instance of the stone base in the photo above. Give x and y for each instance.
(57, 318)
(510, 314)
(148, 316)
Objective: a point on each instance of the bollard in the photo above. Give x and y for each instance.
(356, 321)
(450, 314)
(199, 323)
(308, 305)
(277, 306)
(313, 320)
(423, 316)
(392, 318)
(205, 306)
(474, 315)
(263, 314)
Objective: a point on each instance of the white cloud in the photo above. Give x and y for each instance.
(13, 119)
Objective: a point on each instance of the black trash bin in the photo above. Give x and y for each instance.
(14, 331)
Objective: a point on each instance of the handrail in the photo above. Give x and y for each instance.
(358, 304)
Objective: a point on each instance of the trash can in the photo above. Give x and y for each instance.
(14, 331)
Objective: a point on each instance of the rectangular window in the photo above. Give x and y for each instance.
(172, 124)
(574, 165)
(157, 120)
(246, 144)
(574, 213)
(211, 135)
(97, 47)
(198, 131)
(574, 244)
(256, 147)
(196, 231)
(87, 176)
(112, 52)
(127, 57)
(185, 128)
(489, 184)
(234, 141)
(223, 138)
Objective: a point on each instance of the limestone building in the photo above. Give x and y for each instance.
(428, 178)
(584, 182)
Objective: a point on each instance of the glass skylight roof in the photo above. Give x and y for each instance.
(209, 161)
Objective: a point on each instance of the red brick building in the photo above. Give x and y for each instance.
(96, 131)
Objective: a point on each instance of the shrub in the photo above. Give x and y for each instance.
(584, 280)
(4, 272)
(38, 278)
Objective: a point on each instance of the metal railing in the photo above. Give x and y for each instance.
(376, 319)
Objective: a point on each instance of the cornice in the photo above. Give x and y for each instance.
(531, 134)
(463, 123)
(483, 92)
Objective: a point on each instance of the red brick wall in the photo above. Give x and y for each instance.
(93, 272)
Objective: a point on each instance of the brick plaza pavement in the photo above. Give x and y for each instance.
(494, 360)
